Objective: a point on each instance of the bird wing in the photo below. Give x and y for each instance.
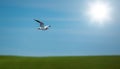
(41, 23)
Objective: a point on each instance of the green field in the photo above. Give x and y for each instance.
(70, 62)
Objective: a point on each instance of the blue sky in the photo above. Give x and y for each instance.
(71, 33)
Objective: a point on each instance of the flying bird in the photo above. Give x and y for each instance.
(42, 26)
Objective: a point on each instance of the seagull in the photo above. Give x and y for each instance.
(42, 26)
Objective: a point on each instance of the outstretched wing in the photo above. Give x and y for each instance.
(41, 23)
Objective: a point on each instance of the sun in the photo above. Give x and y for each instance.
(99, 12)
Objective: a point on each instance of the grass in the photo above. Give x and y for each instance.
(70, 62)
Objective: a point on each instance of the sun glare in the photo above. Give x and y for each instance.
(99, 12)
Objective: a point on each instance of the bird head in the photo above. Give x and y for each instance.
(49, 25)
